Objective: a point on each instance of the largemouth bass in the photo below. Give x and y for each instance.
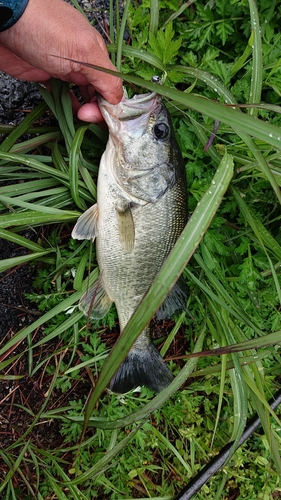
(141, 210)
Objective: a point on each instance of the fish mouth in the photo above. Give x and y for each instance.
(130, 115)
(128, 109)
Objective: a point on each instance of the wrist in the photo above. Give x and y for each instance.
(10, 12)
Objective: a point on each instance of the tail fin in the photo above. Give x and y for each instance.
(142, 367)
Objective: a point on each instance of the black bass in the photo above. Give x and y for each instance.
(140, 212)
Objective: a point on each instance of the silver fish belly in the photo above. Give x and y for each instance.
(141, 210)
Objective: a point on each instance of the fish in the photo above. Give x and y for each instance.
(140, 213)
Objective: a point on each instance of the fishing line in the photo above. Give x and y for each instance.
(219, 460)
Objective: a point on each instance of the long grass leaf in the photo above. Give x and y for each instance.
(31, 144)
(22, 259)
(151, 59)
(28, 186)
(176, 14)
(264, 341)
(23, 126)
(74, 158)
(154, 17)
(239, 393)
(33, 207)
(14, 467)
(31, 218)
(20, 240)
(121, 35)
(257, 68)
(170, 447)
(255, 127)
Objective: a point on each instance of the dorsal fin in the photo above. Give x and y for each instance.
(175, 301)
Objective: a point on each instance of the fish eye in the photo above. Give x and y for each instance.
(161, 131)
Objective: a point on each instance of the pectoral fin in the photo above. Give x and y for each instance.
(126, 228)
(95, 303)
(86, 226)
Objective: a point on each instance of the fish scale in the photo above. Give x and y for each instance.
(128, 276)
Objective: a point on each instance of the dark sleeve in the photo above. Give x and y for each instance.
(10, 12)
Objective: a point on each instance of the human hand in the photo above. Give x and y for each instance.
(56, 28)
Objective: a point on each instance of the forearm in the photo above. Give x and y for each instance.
(10, 12)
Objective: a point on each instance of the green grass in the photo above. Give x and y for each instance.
(220, 62)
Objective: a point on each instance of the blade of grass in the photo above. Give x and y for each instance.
(19, 240)
(74, 159)
(257, 128)
(240, 411)
(81, 268)
(154, 17)
(140, 54)
(22, 128)
(31, 218)
(239, 64)
(264, 341)
(257, 68)
(31, 144)
(78, 7)
(172, 334)
(14, 466)
(33, 207)
(28, 187)
(170, 447)
(178, 12)
(121, 35)
(221, 391)
(22, 259)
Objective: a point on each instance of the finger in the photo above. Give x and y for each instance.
(90, 113)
